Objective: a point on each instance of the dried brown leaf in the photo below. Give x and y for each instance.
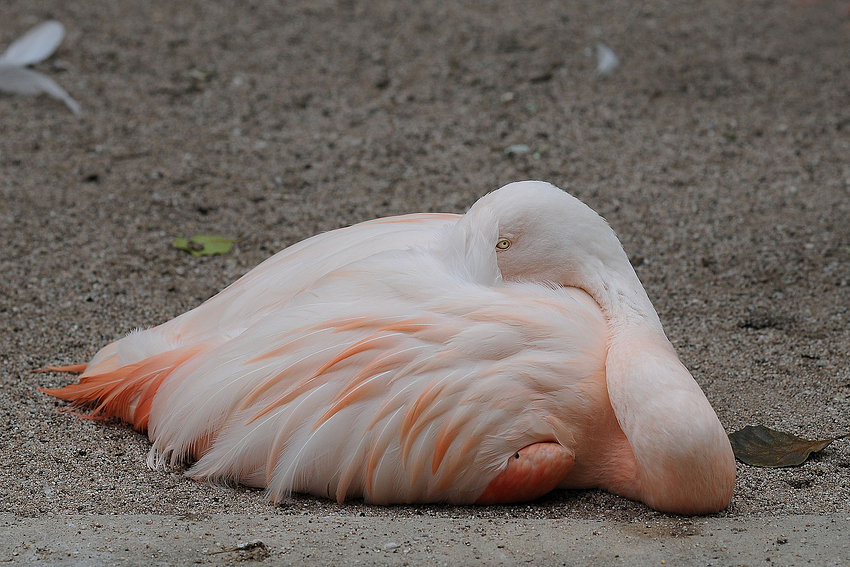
(761, 446)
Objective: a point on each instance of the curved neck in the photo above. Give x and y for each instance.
(683, 457)
(684, 462)
(624, 300)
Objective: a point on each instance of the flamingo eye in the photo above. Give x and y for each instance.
(503, 244)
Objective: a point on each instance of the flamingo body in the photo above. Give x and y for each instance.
(428, 358)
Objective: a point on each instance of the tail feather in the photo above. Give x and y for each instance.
(126, 392)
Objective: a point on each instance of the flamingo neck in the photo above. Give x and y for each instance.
(684, 462)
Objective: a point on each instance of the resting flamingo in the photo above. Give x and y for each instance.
(484, 358)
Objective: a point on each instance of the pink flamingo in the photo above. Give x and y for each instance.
(483, 358)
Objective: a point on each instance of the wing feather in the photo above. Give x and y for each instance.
(402, 374)
(424, 406)
(387, 361)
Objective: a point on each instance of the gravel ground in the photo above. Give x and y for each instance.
(718, 151)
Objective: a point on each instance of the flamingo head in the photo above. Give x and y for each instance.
(547, 235)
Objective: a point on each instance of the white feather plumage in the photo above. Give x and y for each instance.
(409, 360)
(481, 347)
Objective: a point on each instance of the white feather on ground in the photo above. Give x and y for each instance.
(607, 61)
(33, 47)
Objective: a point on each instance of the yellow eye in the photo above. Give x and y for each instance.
(503, 244)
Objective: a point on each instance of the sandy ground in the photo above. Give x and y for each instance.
(718, 151)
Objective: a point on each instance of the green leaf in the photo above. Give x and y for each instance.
(204, 244)
(760, 446)
(181, 243)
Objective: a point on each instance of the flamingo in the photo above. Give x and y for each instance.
(485, 358)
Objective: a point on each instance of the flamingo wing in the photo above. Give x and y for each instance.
(410, 374)
(389, 396)
(276, 281)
